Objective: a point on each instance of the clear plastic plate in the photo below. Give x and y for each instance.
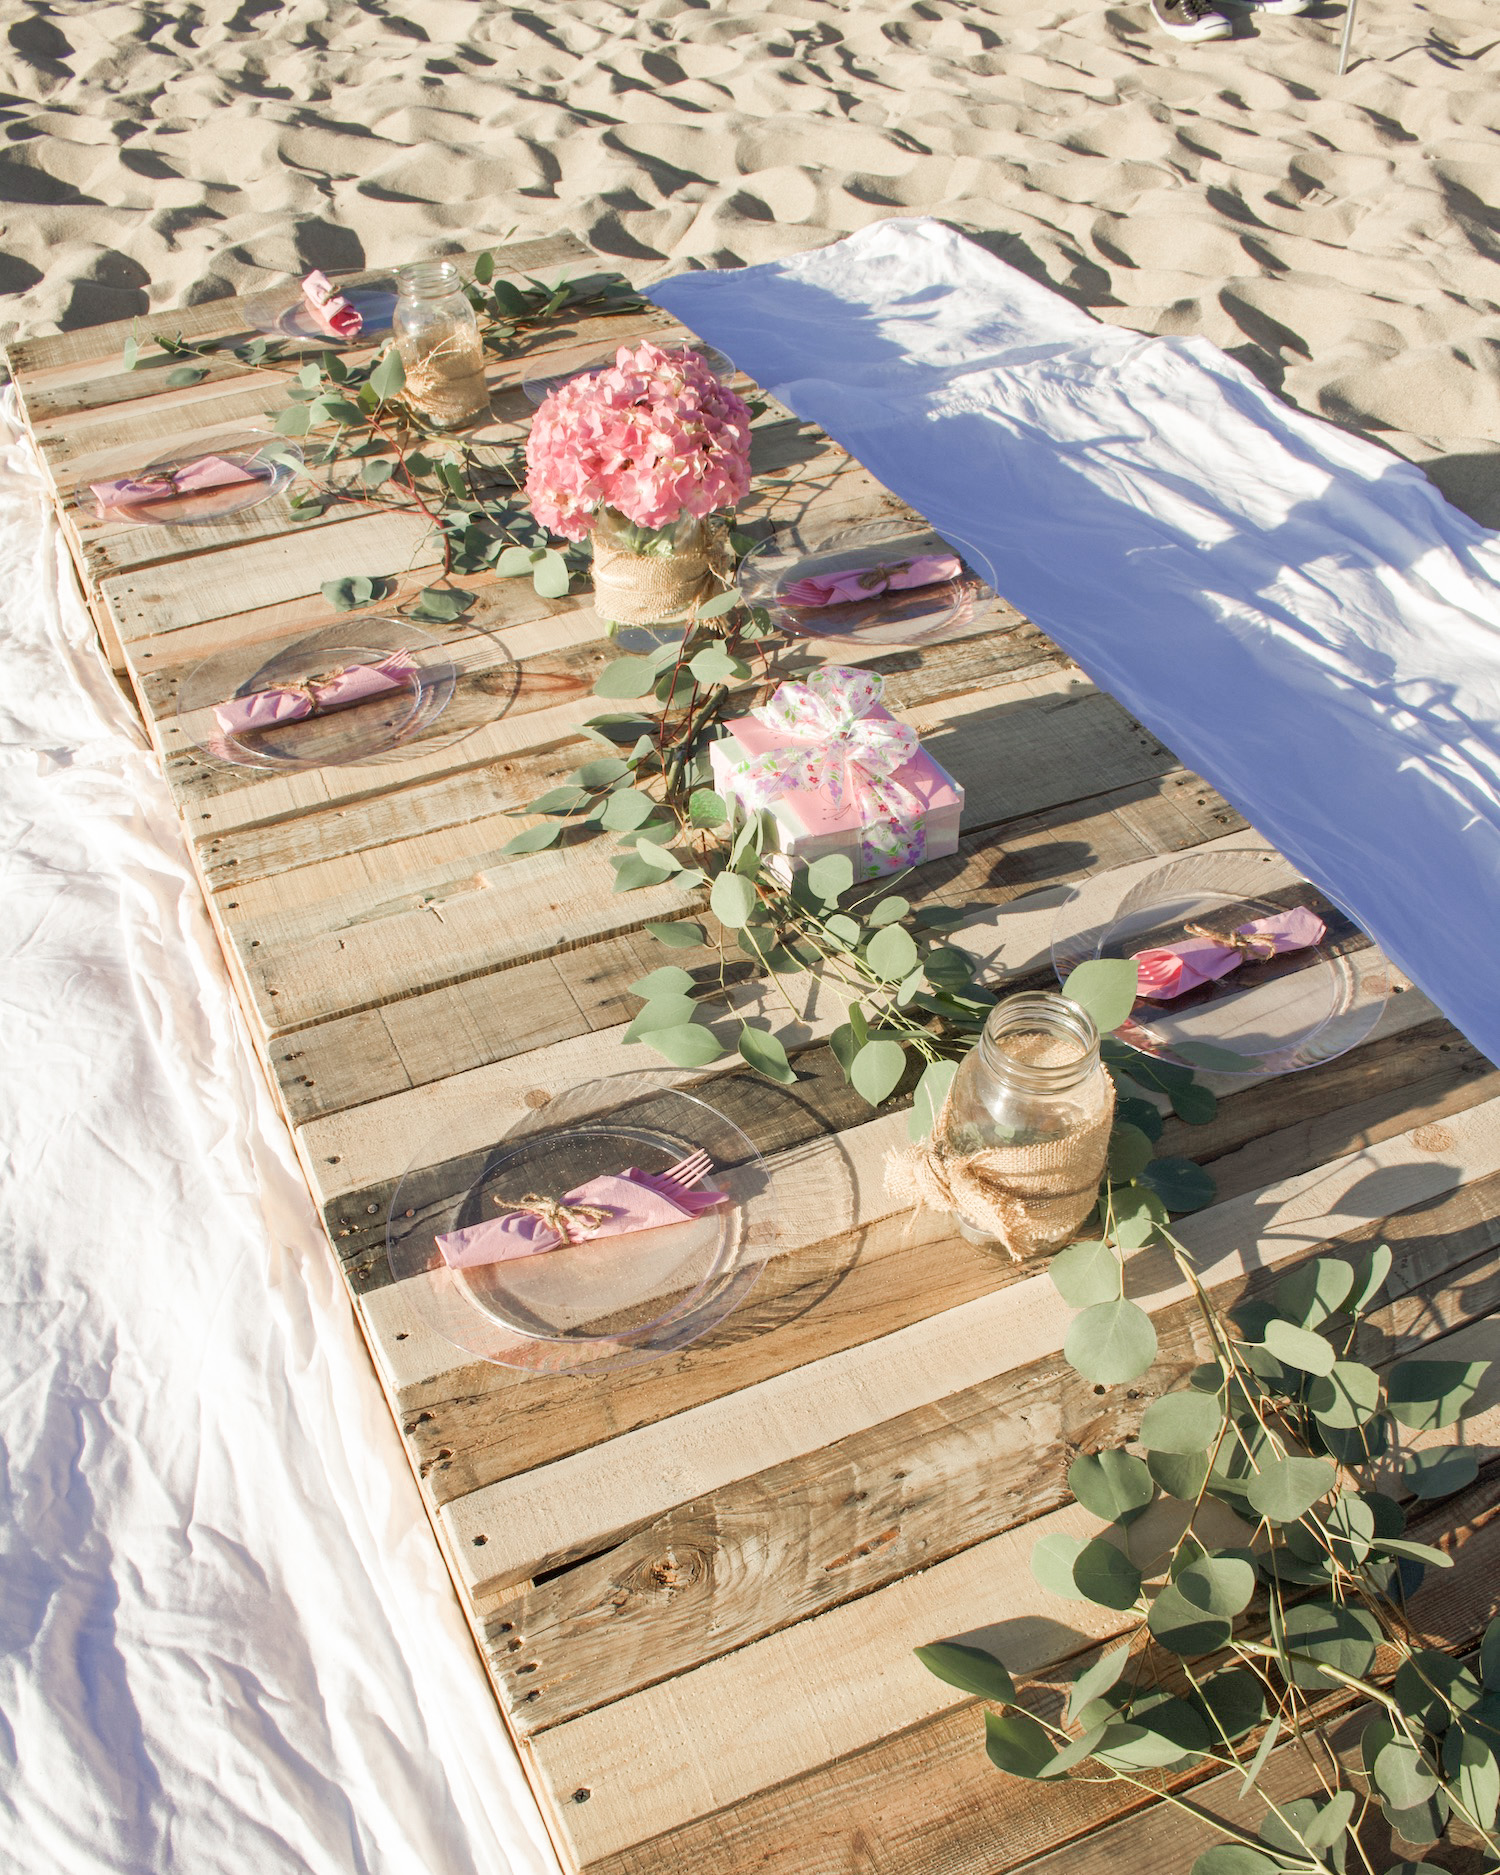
(1265, 1017)
(913, 615)
(537, 388)
(282, 312)
(270, 460)
(596, 1305)
(455, 687)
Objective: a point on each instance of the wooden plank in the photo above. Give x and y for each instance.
(224, 318)
(576, 1505)
(483, 1019)
(926, 1801)
(472, 1423)
(717, 1572)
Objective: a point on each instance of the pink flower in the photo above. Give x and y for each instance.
(655, 436)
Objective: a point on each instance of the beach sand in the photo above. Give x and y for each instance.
(1339, 235)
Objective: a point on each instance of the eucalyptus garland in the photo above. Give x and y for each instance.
(1236, 1646)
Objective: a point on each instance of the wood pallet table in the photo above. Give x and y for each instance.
(696, 1584)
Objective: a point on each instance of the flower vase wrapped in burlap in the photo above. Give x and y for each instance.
(633, 588)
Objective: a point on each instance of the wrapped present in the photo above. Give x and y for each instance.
(839, 774)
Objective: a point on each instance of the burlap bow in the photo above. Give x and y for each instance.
(830, 744)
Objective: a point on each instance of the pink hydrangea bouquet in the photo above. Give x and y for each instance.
(654, 436)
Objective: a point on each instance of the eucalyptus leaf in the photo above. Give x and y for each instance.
(184, 375)
(1210, 1056)
(707, 809)
(891, 954)
(669, 980)
(1219, 1582)
(970, 1669)
(1105, 1575)
(1348, 1395)
(1441, 1470)
(927, 1103)
(1111, 1342)
(1106, 988)
(1300, 1348)
(389, 375)
(1344, 1637)
(732, 899)
(948, 969)
(1182, 1627)
(714, 665)
(601, 771)
(1234, 1858)
(1180, 1475)
(1179, 1183)
(1014, 1742)
(1314, 1291)
(1471, 1767)
(1097, 1679)
(633, 872)
(1130, 1151)
(1235, 1699)
(533, 839)
(1285, 1489)
(1138, 1214)
(679, 936)
(1086, 1273)
(1139, 1114)
(689, 1046)
(513, 561)
(668, 1010)
(1427, 1395)
(550, 576)
(847, 930)
(1370, 1275)
(627, 809)
(1194, 1103)
(1400, 1775)
(829, 877)
(624, 677)
(887, 911)
(1052, 1560)
(721, 603)
(767, 1056)
(1114, 1485)
(876, 1070)
(1182, 1422)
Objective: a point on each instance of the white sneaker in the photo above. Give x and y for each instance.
(1193, 19)
(1277, 6)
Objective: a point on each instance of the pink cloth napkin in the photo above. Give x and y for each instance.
(262, 709)
(192, 478)
(336, 316)
(634, 1200)
(865, 582)
(1174, 969)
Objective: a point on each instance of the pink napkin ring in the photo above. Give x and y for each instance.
(335, 315)
(1171, 970)
(820, 589)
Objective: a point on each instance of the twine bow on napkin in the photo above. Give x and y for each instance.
(322, 691)
(836, 741)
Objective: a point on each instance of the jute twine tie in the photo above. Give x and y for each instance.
(1256, 945)
(1032, 1198)
(447, 383)
(639, 588)
(561, 1219)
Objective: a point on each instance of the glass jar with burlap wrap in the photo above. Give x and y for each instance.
(644, 575)
(438, 338)
(1020, 1145)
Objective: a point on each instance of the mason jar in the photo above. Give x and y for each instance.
(437, 336)
(1033, 1098)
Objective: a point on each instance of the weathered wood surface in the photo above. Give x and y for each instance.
(697, 1582)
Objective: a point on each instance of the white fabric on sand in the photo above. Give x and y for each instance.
(227, 1643)
(1297, 614)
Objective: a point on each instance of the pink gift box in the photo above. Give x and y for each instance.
(814, 823)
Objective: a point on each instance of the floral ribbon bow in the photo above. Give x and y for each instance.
(831, 745)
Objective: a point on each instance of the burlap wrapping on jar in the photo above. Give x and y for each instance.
(1031, 1198)
(641, 588)
(446, 384)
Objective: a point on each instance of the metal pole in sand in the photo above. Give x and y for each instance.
(1348, 36)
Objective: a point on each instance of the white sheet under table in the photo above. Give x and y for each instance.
(1297, 614)
(227, 1642)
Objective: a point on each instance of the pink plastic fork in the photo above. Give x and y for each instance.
(687, 1172)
